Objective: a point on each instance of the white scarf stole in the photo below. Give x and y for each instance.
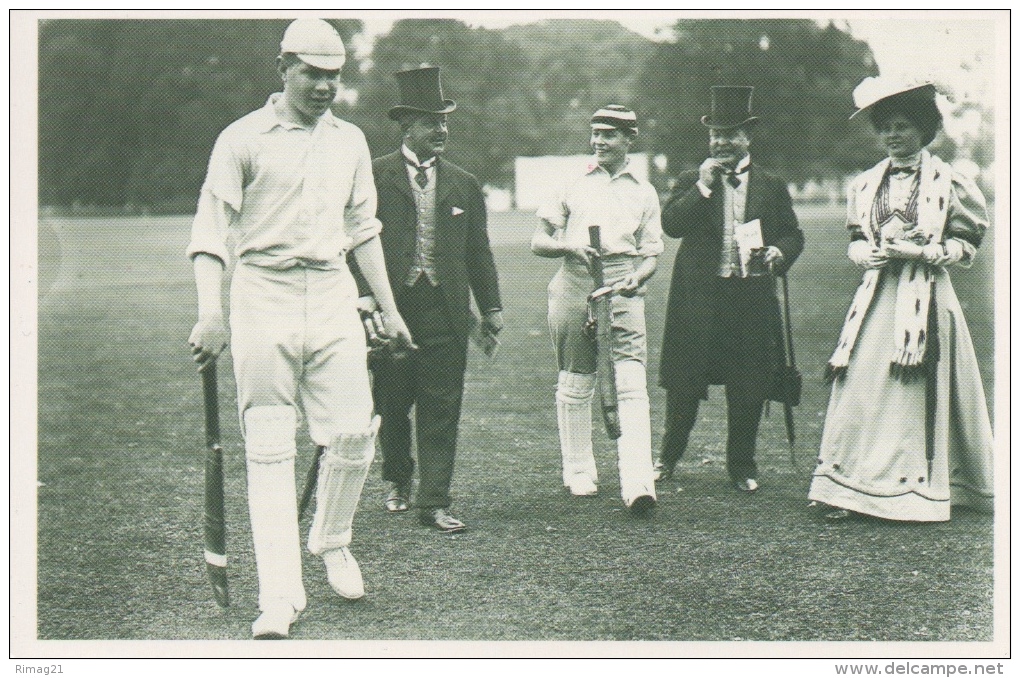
(916, 279)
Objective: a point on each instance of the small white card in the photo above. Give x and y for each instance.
(748, 237)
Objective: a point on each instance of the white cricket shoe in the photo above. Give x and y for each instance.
(581, 485)
(343, 573)
(274, 622)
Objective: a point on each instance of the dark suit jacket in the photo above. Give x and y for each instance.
(463, 258)
(689, 341)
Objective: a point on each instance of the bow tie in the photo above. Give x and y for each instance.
(733, 176)
(902, 171)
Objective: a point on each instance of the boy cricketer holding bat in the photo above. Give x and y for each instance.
(626, 208)
(291, 186)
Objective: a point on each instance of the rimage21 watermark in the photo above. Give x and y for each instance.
(908, 668)
(39, 670)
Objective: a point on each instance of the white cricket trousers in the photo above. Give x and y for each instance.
(299, 351)
(576, 358)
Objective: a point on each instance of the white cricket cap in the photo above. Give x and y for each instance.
(316, 43)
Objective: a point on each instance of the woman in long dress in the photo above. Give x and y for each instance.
(907, 432)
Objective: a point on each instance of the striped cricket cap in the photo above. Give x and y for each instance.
(614, 116)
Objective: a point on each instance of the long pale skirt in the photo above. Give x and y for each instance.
(872, 458)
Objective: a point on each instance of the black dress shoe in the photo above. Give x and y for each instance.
(642, 506)
(441, 520)
(661, 472)
(396, 498)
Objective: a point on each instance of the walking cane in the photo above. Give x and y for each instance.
(791, 376)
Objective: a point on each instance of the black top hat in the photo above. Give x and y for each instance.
(731, 107)
(421, 92)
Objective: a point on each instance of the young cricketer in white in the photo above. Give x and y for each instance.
(291, 187)
(626, 208)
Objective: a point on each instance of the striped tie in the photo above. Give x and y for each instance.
(420, 177)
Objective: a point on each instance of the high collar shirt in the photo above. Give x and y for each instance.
(286, 195)
(413, 164)
(624, 206)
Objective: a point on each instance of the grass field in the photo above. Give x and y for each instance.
(120, 485)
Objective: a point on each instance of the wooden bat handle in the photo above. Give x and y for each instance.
(595, 240)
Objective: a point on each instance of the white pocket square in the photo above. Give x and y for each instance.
(456, 210)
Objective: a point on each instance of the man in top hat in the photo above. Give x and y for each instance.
(436, 243)
(608, 194)
(291, 187)
(723, 324)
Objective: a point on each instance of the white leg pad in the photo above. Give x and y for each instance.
(573, 414)
(272, 504)
(342, 472)
(634, 447)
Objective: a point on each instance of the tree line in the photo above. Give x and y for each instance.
(129, 110)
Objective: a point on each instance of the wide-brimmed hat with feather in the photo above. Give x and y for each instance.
(878, 88)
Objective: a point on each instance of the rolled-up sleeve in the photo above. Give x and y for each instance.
(211, 227)
(225, 176)
(649, 235)
(220, 200)
(360, 221)
(555, 210)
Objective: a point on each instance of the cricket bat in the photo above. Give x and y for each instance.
(215, 524)
(600, 301)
